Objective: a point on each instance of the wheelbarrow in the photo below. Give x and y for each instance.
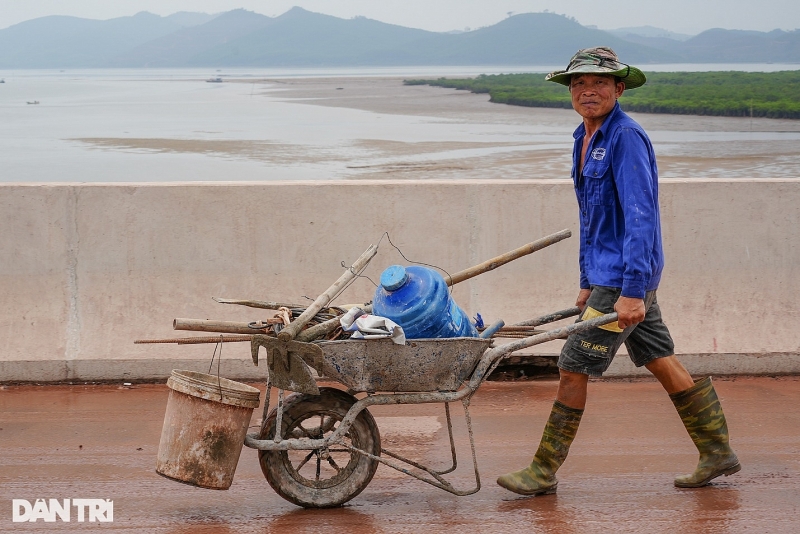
(320, 447)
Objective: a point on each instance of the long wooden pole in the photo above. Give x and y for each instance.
(494, 263)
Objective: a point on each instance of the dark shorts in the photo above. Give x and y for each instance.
(591, 352)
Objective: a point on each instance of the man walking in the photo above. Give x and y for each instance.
(621, 259)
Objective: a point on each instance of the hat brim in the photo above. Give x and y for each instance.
(632, 76)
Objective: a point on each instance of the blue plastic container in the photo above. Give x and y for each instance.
(418, 299)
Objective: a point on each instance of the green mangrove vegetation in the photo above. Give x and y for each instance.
(731, 94)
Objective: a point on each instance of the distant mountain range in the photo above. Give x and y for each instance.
(300, 38)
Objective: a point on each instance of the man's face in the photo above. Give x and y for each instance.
(594, 95)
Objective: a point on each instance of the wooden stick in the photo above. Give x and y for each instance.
(261, 304)
(293, 328)
(322, 329)
(227, 327)
(494, 263)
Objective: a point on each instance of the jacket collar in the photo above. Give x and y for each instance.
(580, 131)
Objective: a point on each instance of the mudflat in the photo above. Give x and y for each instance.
(101, 441)
(423, 132)
(688, 146)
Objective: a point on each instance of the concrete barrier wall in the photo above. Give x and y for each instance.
(86, 269)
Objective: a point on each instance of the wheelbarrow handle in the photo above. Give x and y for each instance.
(497, 353)
(556, 333)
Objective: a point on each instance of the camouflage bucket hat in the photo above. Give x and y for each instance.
(599, 60)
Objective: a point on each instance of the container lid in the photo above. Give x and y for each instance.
(394, 277)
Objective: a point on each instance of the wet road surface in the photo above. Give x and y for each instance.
(101, 441)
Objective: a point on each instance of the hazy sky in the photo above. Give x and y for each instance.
(683, 16)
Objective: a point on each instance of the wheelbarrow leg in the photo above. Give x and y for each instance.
(452, 441)
(465, 402)
(437, 480)
(265, 411)
(453, 454)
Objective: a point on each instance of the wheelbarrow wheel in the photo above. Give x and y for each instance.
(321, 478)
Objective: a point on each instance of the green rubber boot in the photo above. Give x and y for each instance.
(539, 478)
(702, 416)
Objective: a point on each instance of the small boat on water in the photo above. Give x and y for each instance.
(214, 80)
(2, 80)
(33, 101)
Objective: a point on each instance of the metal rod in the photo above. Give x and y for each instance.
(517, 335)
(193, 340)
(518, 329)
(551, 318)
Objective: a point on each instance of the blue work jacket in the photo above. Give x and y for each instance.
(618, 199)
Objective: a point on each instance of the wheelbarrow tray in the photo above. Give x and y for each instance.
(421, 365)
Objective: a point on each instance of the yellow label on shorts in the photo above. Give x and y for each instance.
(594, 347)
(591, 313)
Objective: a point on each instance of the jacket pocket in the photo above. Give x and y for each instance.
(600, 183)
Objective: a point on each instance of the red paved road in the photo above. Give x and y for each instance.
(101, 441)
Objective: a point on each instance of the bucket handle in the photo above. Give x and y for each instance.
(219, 360)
